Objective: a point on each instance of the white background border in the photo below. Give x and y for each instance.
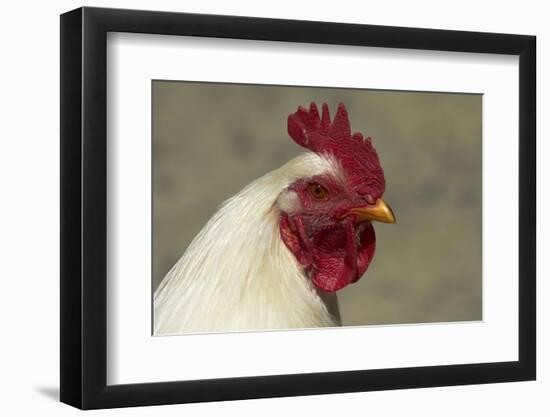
(134, 356)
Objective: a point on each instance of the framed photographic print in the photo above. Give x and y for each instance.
(258, 208)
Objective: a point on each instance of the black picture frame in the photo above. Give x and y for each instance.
(84, 207)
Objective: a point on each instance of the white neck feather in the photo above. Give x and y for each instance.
(237, 274)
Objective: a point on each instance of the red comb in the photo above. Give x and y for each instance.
(357, 155)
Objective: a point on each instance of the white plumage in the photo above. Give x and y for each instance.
(237, 274)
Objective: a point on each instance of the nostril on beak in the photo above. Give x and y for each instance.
(370, 199)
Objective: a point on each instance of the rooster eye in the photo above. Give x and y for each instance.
(318, 191)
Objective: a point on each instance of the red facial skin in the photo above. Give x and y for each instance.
(333, 247)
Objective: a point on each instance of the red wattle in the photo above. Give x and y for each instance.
(333, 256)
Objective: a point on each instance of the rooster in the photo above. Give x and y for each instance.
(273, 256)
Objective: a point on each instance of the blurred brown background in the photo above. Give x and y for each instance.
(210, 140)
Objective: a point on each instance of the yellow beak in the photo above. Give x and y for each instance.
(379, 212)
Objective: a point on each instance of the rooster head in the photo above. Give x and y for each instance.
(326, 219)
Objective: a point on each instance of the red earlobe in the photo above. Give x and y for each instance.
(294, 238)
